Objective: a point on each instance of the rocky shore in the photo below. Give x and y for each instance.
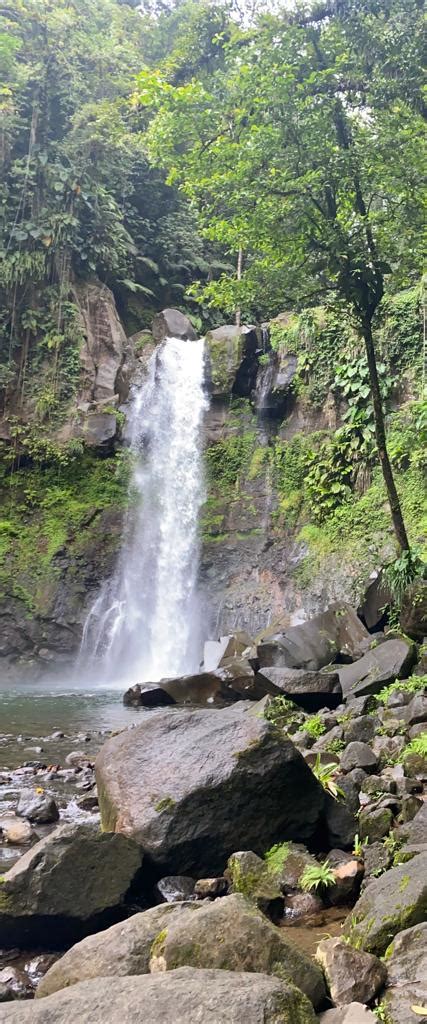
(278, 791)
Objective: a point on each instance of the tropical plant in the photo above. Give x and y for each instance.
(319, 876)
(325, 774)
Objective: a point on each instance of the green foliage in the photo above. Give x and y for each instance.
(411, 685)
(276, 857)
(325, 774)
(317, 877)
(416, 746)
(314, 726)
(46, 507)
(398, 575)
(281, 712)
(228, 459)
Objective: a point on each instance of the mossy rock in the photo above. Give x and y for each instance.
(391, 903)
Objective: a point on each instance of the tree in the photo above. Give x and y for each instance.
(305, 150)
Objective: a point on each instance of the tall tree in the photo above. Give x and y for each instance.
(306, 149)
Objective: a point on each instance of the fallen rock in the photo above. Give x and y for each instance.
(224, 685)
(248, 874)
(309, 690)
(389, 904)
(342, 815)
(231, 935)
(197, 996)
(375, 823)
(406, 960)
(318, 641)
(348, 873)
(123, 949)
(416, 710)
(146, 696)
(38, 807)
(175, 888)
(353, 1013)
(209, 888)
(358, 755)
(413, 612)
(391, 660)
(361, 729)
(191, 785)
(15, 832)
(171, 323)
(351, 975)
(235, 645)
(73, 880)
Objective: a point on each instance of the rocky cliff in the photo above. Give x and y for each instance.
(278, 421)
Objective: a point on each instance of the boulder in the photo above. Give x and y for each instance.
(375, 823)
(249, 875)
(415, 832)
(353, 1013)
(210, 888)
(348, 873)
(317, 642)
(309, 690)
(361, 729)
(358, 755)
(175, 888)
(394, 901)
(406, 960)
(192, 785)
(147, 696)
(69, 883)
(351, 974)
(224, 685)
(231, 935)
(196, 996)
(235, 645)
(383, 664)
(233, 361)
(171, 323)
(14, 831)
(342, 815)
(39, 807)
(413, 612)
(416, 710)
(123, 949)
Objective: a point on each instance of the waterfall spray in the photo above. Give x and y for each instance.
(144, 624)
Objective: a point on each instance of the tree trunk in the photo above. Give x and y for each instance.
(393, 497)
(239, 278)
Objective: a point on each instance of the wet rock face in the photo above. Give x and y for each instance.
(223, 997)
(413, 616)
(190, 786)
(232, 360)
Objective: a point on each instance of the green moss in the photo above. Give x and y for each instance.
(159, 943)
(166, 804)
(276, 857)
(404, 883)
(45, 509)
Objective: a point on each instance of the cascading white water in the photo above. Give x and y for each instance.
(144, 624)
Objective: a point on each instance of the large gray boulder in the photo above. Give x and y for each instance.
(352, 975)
(123, 949)
(317, 642)
(186, 996)
(191, 786)
(383, 664)
(230, 934)
(171, 323)
(310, 690)
(406, 960)
(391, 903)
(71, 882)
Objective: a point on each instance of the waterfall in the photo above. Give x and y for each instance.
(144, 624)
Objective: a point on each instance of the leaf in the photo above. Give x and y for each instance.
(421, 1011)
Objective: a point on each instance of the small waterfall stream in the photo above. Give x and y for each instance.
(144, 624)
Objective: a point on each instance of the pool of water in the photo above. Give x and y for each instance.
(31, 713)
